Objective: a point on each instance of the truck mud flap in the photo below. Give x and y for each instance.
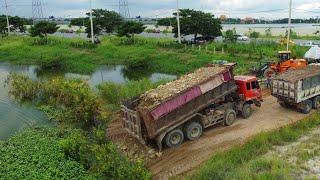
(132, 123)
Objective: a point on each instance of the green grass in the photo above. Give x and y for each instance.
(246, 161)
(35, 154)
(161, 55)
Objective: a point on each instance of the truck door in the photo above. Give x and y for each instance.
(255, 90)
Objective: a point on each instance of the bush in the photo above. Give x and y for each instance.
(56, 63)
(138, 63)
(75, 97)
(254, 35)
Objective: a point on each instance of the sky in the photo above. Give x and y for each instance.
(267, 9)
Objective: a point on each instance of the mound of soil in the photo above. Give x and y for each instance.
(161, 94)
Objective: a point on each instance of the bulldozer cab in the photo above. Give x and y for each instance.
(284, 55)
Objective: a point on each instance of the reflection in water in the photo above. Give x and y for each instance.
(119, 75)
(14, 117)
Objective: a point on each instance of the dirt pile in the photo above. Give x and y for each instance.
(155, 97)
(298, 74)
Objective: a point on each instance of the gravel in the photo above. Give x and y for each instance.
(161, 94)
(298, 74)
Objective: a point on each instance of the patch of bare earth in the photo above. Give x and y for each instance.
(303, 155)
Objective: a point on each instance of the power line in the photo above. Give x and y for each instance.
(124, 9)
(37, 11)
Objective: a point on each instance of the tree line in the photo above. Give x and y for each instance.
(108, 22)
(170, 21)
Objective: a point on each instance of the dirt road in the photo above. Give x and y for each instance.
(178, 161)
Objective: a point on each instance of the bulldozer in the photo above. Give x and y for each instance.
(284, 64)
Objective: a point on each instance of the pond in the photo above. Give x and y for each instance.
(15, 117)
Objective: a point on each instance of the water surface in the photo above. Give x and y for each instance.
(15, 117)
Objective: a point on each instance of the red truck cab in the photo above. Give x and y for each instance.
(249, 88)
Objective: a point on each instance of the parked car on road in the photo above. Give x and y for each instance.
(242, 38)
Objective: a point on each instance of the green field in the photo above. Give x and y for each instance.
(148, 54)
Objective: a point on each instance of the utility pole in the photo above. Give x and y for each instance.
(91, 23)
(7, 14)
(289, 26)
(178, 22)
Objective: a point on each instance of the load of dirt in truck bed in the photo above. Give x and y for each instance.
(161, 94)
(298, 74)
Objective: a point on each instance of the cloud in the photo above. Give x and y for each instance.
(309, 6)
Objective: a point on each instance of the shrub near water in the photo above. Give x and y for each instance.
(73, 104)
(73, 96)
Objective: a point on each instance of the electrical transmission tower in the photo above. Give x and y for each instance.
(37, 11)
(124, 9)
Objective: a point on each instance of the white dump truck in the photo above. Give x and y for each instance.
(298, 88)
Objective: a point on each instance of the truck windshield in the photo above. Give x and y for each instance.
(255, 85)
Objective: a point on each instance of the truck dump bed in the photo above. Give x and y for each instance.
(297, 85)
(173, 103)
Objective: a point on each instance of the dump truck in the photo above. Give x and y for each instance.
(184, 107)
(298, 88)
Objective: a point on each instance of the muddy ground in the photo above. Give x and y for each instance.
(189, 156)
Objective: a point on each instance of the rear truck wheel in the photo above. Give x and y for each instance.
(174, 138)
(284, 104)
(230, 117)
(193, 131)
(306, 106)
(316, 102)
(268, 73)
(246, 111)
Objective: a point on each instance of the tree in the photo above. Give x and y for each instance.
(43, 28)
(130, 28)
(16, 24)
(254, 35)
(197, 22)
(230, 35)
(103, 21)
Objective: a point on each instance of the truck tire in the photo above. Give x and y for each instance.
(284, 104)
(246, 111)
(193, 131)
(316, 102)
(306, 107)
(230, 117)
(174, 138)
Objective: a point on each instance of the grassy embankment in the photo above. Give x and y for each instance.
(249, 161)
(76, 144)
(161, 55)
